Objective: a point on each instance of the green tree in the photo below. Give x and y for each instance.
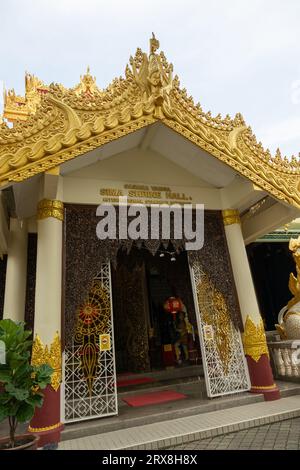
(21, 383)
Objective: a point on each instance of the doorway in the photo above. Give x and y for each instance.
(148, 336)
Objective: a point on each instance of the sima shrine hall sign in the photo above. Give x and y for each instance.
(144, 194)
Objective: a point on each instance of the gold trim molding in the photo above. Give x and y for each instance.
(50, 208)
(254, 339)
(231, 216)
(54, 124)
(264, 387)
(43, 355)
(46, 428)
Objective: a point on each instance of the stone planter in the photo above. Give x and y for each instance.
(23, 442)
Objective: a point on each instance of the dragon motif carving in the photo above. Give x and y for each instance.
(289, 316)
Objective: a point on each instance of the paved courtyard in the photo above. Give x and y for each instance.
(276, 436)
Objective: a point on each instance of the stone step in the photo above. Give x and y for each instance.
(176, 384)
(196, 403)
(166, 374)
(169, 433)
(131, 417)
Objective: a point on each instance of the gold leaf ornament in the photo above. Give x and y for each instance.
(254, 339)
(52, 356)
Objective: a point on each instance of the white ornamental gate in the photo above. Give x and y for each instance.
(224, 362)
(89, 364)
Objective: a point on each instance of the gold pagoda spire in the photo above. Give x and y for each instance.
(87, 85)
(17, 107)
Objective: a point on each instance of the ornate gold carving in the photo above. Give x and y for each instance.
(148, 93)
(87, 85)
(14, 106)
(43, 355)
(50, 208)
(18, 107)
(216, 314)
(153, 75)
(294, 282)
(254, 339)
(46, 428)
(38, 352)
(231, 216)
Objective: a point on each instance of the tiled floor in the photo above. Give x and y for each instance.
(276, 436)
(195, 403)
(190, 429)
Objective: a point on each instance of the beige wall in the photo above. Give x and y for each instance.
(140, 166)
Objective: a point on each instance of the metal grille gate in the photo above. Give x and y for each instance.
(89, 369)
(224, 362)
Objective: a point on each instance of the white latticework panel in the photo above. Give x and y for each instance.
(90, 392)
(224, 362)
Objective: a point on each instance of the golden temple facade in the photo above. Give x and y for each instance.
(53, 124)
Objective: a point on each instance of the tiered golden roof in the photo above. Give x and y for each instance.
(53, 124)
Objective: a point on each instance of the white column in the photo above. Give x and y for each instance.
(254, 338)
(240, 266)
(47, 316)
(16, 271)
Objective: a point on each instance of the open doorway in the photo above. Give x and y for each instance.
(154, 315)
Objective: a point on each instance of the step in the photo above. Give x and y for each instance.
(181, 385)
(170, 433)
(196, 403)
(176, 384)
(131, 417)
(166, 374)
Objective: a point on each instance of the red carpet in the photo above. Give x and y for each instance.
(120, 374)
(138, 381)
(153, 398)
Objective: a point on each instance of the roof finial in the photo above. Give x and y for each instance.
(154, 44)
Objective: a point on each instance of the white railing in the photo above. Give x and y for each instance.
(285, 357)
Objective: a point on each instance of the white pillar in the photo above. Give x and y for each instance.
(47, 316)
(16, 271)
(240, 266)
(254, 338)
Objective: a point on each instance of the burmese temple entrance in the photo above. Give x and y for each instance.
(116, 312)
(144, 306)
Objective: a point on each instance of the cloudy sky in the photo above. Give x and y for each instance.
(231, 55)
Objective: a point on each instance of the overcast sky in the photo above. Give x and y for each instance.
(231, 55)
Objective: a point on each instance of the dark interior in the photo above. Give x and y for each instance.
(141, 284)
(271, 264)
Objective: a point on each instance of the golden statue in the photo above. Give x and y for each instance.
(289, 316)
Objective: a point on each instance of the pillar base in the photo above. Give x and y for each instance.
(261, 378)
(46, 421)
(272, 393)
(48, 436)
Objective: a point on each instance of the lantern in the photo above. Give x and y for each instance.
(173, 305)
